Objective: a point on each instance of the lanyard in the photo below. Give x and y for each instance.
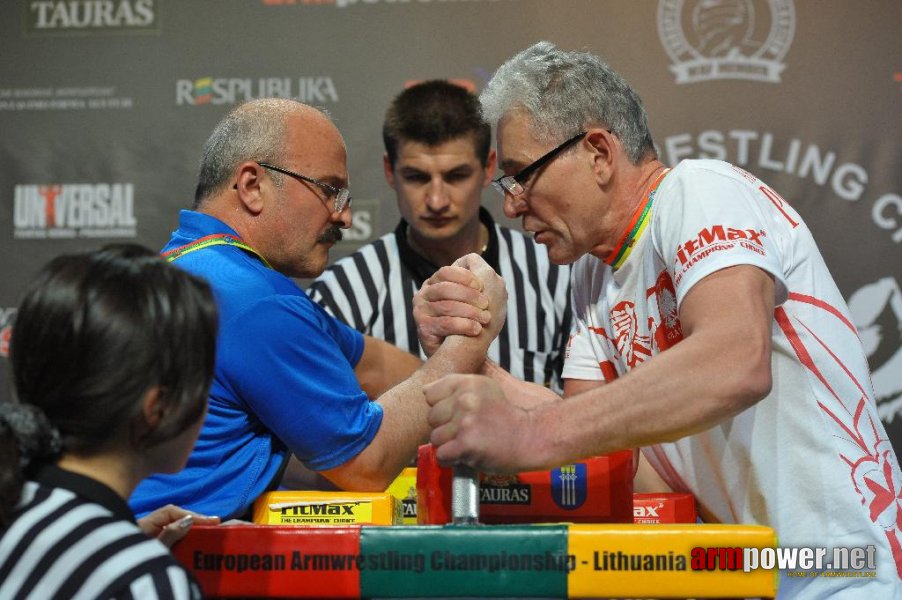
(636, 227)
(219, 239)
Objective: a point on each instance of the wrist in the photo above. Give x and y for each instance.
(539, 439)
(468, 353)
(489, 368)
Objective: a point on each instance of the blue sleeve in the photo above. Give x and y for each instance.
(294, 370)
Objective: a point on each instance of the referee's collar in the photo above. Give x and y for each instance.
(84, 487)
(421, 269)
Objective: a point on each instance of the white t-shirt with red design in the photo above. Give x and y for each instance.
(812, 459)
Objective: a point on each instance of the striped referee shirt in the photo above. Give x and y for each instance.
(372, 290)
(73, 537)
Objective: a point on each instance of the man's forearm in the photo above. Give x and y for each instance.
(521, 393)
(683, 391)
(404, 425)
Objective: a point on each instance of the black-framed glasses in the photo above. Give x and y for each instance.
(341, 197)
(513, 184)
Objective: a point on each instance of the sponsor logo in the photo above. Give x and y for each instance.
(309, 513)
(74, 210)
(232, 90)
(63, 98)
(716, 238)
(509, 494)
(7, 316)
(799, 562)
(648, 513)
(568, 486)
(43, 17)
(762, 151)
(726, 39)
(319, 509)
(347, 3)
(409, 508)
(720, 237)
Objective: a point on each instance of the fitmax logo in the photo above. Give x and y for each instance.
(319, 509)
(647, 512)
(714, 234)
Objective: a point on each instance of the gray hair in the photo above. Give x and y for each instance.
(253, 131)
(566, 92)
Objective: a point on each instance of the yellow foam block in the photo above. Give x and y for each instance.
(327, 508)
(655, 561)
(404, 488)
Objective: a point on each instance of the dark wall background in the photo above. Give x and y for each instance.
(105, 104)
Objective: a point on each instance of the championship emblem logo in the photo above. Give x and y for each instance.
(726, 39)
(568, 486)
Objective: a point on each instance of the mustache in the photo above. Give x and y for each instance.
(333, 234)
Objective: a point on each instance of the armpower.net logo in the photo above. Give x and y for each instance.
(796, 562)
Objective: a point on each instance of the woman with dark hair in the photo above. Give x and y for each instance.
(112, 356)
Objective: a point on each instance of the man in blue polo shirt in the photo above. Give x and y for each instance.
(271, 200)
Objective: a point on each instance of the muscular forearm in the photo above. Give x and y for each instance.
(683, 391)
(404, 425)
(383, 366)
(521, 393)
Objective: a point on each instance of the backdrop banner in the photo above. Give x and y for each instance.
(105, 104)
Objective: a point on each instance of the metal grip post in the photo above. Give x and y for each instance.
(465, 496)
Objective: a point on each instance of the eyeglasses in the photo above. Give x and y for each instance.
(341, 197)
(513, 184)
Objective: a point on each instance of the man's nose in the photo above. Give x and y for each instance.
(437, 199)
(344, 218)
(514, 206)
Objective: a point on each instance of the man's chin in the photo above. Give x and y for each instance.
(559, 254)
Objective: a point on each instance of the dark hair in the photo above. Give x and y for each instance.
(432, 113)
(25, 435)
(96, 331)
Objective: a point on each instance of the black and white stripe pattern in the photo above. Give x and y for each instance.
(61, 546)
(372, 291)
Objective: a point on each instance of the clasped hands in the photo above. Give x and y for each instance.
(472, 421)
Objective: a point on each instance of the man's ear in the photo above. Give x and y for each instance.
(249, 179)
(387, 169)
(490, 163)
(603, 153)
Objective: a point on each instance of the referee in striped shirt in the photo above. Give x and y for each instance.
(108, 392)
(438, 159)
